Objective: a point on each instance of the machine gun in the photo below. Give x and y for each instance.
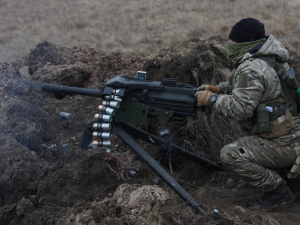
(131, 100)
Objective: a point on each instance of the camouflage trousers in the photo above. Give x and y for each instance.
(255, 159)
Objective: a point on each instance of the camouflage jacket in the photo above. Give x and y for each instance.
(252, 83)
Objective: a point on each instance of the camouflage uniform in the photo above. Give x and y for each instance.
(253, 158)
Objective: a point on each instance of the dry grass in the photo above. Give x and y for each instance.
(135, 27)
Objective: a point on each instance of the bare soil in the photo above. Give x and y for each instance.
(40, 184)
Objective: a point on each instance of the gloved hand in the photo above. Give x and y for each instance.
(214, 89)
(203, 97)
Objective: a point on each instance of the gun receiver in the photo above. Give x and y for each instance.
(142, 98)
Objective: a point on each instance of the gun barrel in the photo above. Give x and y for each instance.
(54, 88)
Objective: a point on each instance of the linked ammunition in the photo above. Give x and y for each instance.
(102, 143)
(115, 91)
(103, 117)
(112, 104)
(103, 135)
(102, 126)
(113, 98)
(106, 110)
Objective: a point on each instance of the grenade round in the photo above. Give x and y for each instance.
(102, 117)
(106, 110)
(103, 126)
(117, 98)
(113, 97)
(102, 143)
(65, 115)
(115, 91)
(103, 135)
(91, 146)
(113, 104)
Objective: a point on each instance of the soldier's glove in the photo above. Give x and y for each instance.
(214, 89)
(203, 97)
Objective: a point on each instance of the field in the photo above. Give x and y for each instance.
(84, 43)
(135, 27)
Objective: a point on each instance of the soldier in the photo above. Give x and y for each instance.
(260, 96)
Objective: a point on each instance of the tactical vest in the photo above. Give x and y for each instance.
(274, 118)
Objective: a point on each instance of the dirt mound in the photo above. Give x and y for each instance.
(20, 171)
(33, 165)
(41, 184)
(205, 61)
(131, 204)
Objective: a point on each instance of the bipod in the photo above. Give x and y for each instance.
(125, 131)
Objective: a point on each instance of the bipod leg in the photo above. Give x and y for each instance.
(170, 166)
(159, 158)
(158, 179)
(171, 169)
(154, 165)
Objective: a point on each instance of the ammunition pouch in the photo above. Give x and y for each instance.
(262, 119)
(278, 120)
(274, 124)
(276, 128)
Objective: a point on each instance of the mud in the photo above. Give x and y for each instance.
(40, 184)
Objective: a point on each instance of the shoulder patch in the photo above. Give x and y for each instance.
(243, 80)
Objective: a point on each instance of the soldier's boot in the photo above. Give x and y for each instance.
(280, 195)
(294, 185)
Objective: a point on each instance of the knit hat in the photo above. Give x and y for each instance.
(247, 30)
